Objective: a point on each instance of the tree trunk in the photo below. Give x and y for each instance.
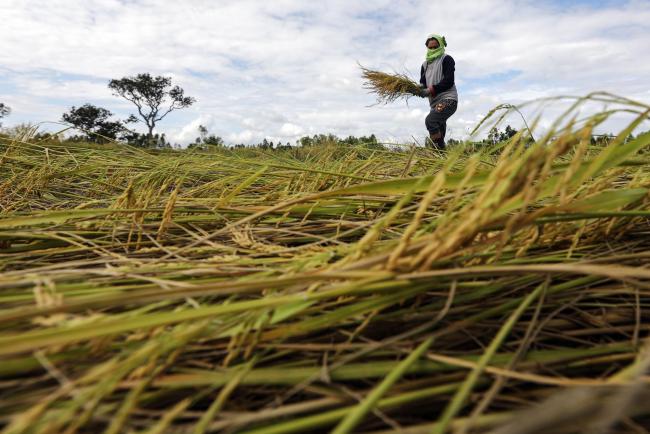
(150, 135)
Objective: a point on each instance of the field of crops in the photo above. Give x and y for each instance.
(501, 289)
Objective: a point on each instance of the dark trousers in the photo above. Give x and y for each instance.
(436, 121)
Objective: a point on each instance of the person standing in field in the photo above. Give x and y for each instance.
(437, 81)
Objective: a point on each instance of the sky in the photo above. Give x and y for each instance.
(283, 69)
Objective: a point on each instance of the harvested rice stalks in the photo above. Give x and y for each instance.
(388, 87)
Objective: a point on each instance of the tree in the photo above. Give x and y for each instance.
(508, 133)
(213, 140)
(304, 141)
(4, 110)
(210, 140)
(140, 140)
(204, 140)
(203, 132)
(496, 136)
(265, 144)
(154, 97)
(94, 121)
(493, 135)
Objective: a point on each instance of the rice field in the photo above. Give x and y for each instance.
(495, 289)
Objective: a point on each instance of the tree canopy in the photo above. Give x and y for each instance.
(154, 97)
(94, 122)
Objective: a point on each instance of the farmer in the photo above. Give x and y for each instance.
(437, 81)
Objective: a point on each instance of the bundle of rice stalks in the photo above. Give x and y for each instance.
(389, 87)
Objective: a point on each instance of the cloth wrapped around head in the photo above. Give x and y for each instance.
(434, 53)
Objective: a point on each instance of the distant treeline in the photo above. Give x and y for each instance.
(154, 97)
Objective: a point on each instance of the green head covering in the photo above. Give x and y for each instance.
(436, 52)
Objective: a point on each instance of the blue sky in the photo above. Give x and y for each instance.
(286, 68)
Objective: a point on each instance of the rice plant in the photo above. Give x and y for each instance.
(336, 289)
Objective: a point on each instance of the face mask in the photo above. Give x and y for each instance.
(434, 53)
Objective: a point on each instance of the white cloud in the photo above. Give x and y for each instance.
(190, 131)
(285, 68)
(290, 130)
(246, 136)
